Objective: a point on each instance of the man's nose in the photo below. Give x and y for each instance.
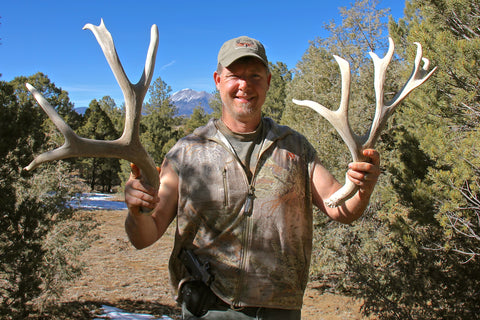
(243, 83)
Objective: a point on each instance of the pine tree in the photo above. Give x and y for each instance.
(435, 167)
(197, 119)
(159, 123)
(275, 102)
(413, 256)
(36, 224)
(102, 172)
(216, 105)
(114, 113)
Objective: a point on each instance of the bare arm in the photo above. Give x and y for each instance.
(362, 174)
(143, 229)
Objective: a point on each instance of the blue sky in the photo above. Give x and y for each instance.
(47, 36)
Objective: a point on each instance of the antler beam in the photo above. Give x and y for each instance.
(128, 146)
(339, 118)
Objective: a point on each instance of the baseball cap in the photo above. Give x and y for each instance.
(240, 47)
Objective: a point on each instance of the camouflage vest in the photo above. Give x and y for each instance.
(256, 237)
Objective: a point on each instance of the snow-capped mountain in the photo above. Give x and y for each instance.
(80, 110)
(187, 99)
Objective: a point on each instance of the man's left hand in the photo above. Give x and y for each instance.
(365, 174)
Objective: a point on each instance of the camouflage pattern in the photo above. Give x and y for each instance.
(257, 259)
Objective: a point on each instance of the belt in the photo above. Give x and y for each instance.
(199, 299)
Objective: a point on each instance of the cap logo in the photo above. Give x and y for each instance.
(245, 44)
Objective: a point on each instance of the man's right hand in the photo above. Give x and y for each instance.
(138, 193)
(144, 229)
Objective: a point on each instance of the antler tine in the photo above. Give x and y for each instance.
(339, 118)
(418, 76)
(385, 109)
(105, 40)
(382, 112)
(128, 146)
(133, 94)
(59, 153)
(147, 75)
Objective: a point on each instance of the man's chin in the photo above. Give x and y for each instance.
(247, 108)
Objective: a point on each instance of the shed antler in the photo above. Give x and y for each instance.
(339, 118)
(126, 147)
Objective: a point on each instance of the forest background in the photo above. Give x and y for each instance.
(413, 255)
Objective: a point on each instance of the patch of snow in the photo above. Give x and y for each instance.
(119, 314)
(96, 201)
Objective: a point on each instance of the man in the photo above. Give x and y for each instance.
(242, 190)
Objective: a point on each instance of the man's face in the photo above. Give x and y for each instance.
(243, 87)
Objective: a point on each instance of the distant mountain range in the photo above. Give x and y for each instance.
(81, 110)
(185, 100)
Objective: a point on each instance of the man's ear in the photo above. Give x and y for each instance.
(216, 78)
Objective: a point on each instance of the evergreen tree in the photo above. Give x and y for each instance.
(434, 166)
(101, 172)
(36, 224)
(57, 97)
(399, 256)
(275, 101)
(216, 105)
(159, 123)
(197, 119)
(114, 113)
(413, 254)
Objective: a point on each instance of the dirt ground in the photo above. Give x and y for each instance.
(118, 275)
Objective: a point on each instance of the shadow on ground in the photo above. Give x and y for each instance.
(90, 309)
